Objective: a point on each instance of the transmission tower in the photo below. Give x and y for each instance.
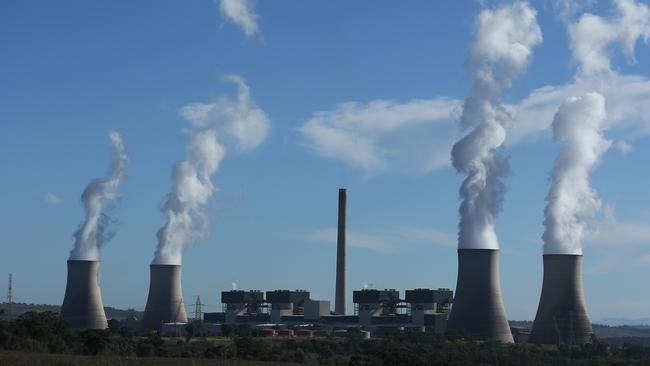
(198, 309)
(10, 297)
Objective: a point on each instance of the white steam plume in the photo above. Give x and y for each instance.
(242, 13)
(580, 122)
(218, 125)
(591, 36)
(501, 51)
(571, 200)
(95, 231)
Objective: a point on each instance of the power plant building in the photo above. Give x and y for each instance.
(375, 310)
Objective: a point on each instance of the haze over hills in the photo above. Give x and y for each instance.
(21, 308)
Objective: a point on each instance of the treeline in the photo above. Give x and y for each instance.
(46, 333)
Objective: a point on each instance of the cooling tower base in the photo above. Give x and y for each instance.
(82, 305)
(165, 300)
(478, 311)
(562, 314)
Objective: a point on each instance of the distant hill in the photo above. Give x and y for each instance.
(21, 308)
(644, 322)
(631, 334)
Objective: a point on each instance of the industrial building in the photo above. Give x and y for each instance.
(477, 311)
(374, 310)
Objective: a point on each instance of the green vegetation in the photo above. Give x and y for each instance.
(42, 339)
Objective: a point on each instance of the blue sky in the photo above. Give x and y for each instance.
(72, 71)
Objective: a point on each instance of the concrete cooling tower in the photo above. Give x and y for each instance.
(562, 314)
(478, 311)
(165, 301)
(82, 305)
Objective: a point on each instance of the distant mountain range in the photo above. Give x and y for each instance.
(619, 334)
(21, 308)
(643, 322)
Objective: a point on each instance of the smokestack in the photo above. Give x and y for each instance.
(82, 305)
(478, 310)
(562, 314)
(341, 271)
(165, 301)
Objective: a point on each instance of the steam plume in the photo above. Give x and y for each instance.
(218, 125)
(95, 231)
(499, 54)
(571, 199)
(580, 122)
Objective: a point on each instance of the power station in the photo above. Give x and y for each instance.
(377, 311)
(165, 301)
(478, 310)
(82, 304)
(562, 313)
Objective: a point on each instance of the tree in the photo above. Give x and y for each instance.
(95, 341)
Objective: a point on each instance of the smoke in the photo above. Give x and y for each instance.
(500, 53)
(217, 126)
(591, 36)
(242, 13)
(95, 231)
(580, 122)
(571, 200)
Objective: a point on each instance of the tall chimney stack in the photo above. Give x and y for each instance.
(82, 304)
(341, 271)
(165, 300)
(478, 311)
(562, 314)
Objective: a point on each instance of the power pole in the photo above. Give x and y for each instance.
(10, 297)
(198, 309)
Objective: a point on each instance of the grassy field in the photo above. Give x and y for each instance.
(41, 359)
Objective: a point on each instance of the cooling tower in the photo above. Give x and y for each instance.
(82, 305)
(339, 303)
(562, 313)
(165, 301)
(478, 311)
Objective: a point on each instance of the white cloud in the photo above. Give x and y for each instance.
(418, 134)
(242, 13)
(591, 36)
(384, 133)
(628, 110)
(619, 234)
(386, 241)
(52, 198)
(565, 10)
(241, 121)
(622, 245)
(624, 147)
